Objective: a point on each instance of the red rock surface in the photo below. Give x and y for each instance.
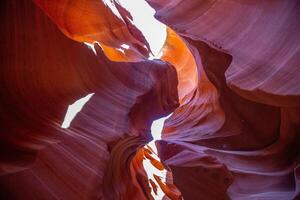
(229, 72)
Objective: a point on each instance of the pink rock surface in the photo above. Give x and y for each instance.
(229, 72)
(248, 50)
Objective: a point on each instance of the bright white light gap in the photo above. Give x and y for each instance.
(74, 108)
(91, 46)
(156, 129)
(153, 30)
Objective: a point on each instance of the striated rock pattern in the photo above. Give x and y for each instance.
(103, 22)
(229, 72)
(240, 136)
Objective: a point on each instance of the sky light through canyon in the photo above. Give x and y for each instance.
(153, 30)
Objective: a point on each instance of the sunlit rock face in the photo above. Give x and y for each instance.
(239, 134)
(228, 71)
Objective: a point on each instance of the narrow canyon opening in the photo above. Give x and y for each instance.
(155, 33)
(84, 85)
(152, 170)
(143, 18)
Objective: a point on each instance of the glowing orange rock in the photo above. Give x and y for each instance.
(103, 22)
(178, 54)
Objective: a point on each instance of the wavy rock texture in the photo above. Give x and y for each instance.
(229, 71)
(248, 50)
(177, 53)
(43, 73)
(262, 37)
(103, 22)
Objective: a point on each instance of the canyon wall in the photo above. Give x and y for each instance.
(229, 71)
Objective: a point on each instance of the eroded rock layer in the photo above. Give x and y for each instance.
(229, 71)
(248, 50)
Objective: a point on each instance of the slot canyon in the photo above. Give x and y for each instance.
(150, 100)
